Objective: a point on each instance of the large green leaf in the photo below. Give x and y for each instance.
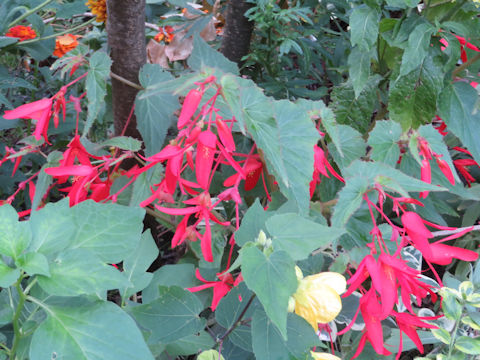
(384, 140)
(110, 231)
(298, 236)
(154, 108)
(15, 236)
(413, 97)
(190, 344)
(79, 271)
(364, 27)
(96, 86)
(457, 105)
(355, 111)
(268, 343)
(173, 315)
(52, 228)
(417, 48)
(136, 264)
(88, 331)
(273, 280)
(33, 263)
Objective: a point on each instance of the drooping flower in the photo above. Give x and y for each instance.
(64, 44)
(317, 298)
(408, 324)
(166, 34)
(98, 8)
(21, 32)
(190, 105)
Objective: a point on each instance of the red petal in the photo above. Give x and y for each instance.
(443, 165)
(444, 254)
(225, 135)
(190, 105)
(205, 155)
(33, 110)
(73, 170)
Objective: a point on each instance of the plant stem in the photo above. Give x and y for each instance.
(58, 34)
(453, 337)
(465, 65)
(125, 81)
(28, 13)
(16, 318)
(237, 322)
(455, 231)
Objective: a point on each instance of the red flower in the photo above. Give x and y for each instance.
(408, 324)
(220, 287)
(21, 32)
(320, 167)
(190, 105)
(207, 145)
(437, 252)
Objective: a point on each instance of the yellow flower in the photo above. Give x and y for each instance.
(317, 298)
(98, 8)
(324, 356)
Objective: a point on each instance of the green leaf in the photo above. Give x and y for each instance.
(352, 144)
(230, 307)
(364, 27)
(384, 140)
(173, 315)
(442, 335)
(96, 85)
(457, 106)
(298, 236)
(359, 68)
(88, 331)
(349, 200)
(190, 344)
(426, 337)
(450, 305)
(33, 263)
(355, 111)
(417, 48)
(123, 143)
(468, 345)
(6, 40)
(52, 228)
(44, 180)
(273, 280)
(40, 50)
(268, 343)
(110, 231)
(8, 275)
(413, 97)
(78, 272)
(287, 136)
(210, 355)
(204, 55)
(154, 108)
(136, 264)
(15, 236)
(252, 222)
(182, 275)
(141, 187)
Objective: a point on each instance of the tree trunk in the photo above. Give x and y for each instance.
(237, 32)
(126, 39)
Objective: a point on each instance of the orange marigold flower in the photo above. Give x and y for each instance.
(64, 44)
(98, 8)
(21, 32)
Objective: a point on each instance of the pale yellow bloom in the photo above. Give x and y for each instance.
(317, 298)
(324, 356)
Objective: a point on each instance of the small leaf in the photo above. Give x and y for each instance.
(96, 85)
(33, 263)
(359, 68)
(15, 236)
(364, 27)
(384, 140)
(272, 279)
(123, 143)
(417, 48)
(468, 345)
(8, 275)
(298, 236)
(442, 335)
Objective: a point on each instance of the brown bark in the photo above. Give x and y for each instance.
(126, 39)
(237, 31)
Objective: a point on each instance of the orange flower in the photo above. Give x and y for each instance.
(166, 34)
(21, 32)
(98, 8)
(64, 44)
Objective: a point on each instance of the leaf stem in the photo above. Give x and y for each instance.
(465, 65)
(237, 322)
(26, 42)
(453, 337)
(28, 13)
(126, 81)
(16, 317)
